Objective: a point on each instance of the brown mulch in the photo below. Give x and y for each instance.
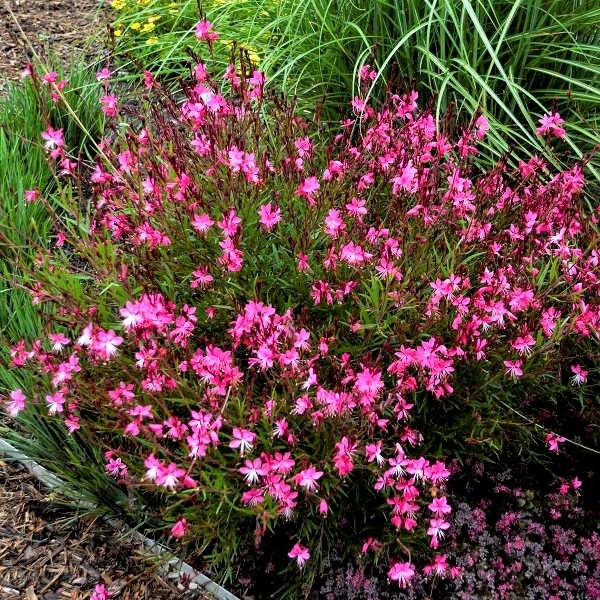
(48, 553)
(55, 27)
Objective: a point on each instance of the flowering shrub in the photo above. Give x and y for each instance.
(255, 308)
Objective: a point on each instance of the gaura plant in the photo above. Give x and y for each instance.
(254, 307)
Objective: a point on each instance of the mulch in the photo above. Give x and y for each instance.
(47, 552)
(56, 27)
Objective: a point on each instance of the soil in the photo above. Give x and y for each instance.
(47, 552)
(48, 27)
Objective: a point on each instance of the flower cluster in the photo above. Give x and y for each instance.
(268, 304)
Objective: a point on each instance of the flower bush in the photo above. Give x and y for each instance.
(255, 309)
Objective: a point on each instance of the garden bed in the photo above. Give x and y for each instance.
(311, 356)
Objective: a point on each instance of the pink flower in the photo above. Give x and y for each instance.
(354, 254)
(253, 470)
(115, 466)
(242, 439)
(53, 138)
(178, 530)
(304, 146)
(253, 497)
(202, 278)
(550, 124)
(59, 341)
(369, 382)
(202, 223)
(109, 105)
(100, 593)
(436, 530)
(31, 195)
(553, 441)
(17, 403)
(323, 507)
(103, 74)
(269, 216)
(357, 207)
(579, 375)
(308, 188)
(367, 73)
(406, 180)
(169, 476)
(303, 262)
(149, 80)
(370, 544)
(402, 572)
(27, 71)
(308, 479)
(204, 31)
(153, 466)
(56, 402)
(513, 368)
(438, 567)
(482, 126)
(50, 77)
(300, 553)
(106, 344)
(334, 223)
(440, 506)
(373, 452)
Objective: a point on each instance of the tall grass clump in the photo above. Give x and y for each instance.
(513, 59)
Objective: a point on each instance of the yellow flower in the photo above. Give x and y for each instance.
(148, 27)
(118, 4)
(118, 32)
(153, 18)
(152, 40)
(253, 55)
(135, 26)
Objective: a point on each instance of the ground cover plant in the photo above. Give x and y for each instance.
(516, 60)
(252, 318)
(506, 541)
